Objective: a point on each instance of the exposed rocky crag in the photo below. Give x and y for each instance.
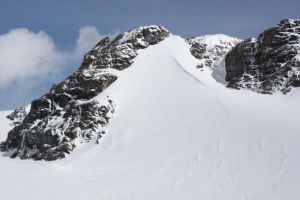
(68, 114)
(211, 49)
(18, 116)
(269, 63)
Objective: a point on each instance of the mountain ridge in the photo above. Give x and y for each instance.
(177, 133)
(68, 115)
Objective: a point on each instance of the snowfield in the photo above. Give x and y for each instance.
(4, 124)
(177, 134)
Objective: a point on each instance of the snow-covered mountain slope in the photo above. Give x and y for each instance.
(177, 133)
(67, 116)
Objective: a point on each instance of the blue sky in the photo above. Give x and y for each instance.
(60, 22)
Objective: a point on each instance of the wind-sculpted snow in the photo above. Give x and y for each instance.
(68, 114)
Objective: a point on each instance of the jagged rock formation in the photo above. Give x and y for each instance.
(211, 49)
(269, 63)
(68, 113)
(18, 116)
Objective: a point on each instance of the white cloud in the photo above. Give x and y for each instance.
(30, 57)
(25, 54)
(87, 39)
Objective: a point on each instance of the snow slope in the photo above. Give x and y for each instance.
(4, 124)
(177, 134)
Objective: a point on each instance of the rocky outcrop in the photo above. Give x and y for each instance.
(69, 114)
(269, 63)
(211, 49)
(18, 116)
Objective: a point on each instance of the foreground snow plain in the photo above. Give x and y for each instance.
(177, 134)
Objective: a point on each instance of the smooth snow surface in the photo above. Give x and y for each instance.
(177, 134)
(4, 125)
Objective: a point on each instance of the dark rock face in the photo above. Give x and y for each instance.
(68, 114)
(269, 63)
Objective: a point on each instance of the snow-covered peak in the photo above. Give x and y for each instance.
(68, 114)
(211, 49)
(168, 129)
(141, 31)
(173, 136)
(211, 41)
(289, 23)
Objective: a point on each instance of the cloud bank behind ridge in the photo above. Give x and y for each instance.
(33, 57)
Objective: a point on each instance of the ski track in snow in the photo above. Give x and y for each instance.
(173, 138)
